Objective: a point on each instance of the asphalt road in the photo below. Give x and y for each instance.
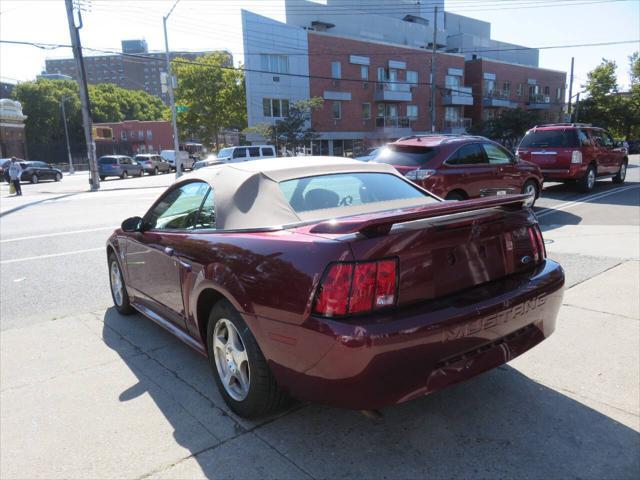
(52, 239)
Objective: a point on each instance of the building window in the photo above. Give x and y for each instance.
(149, 134)
(366, 111)
(336, 70)
(519, 90)
(547, 91)
(141, 134)
(558, 93)
(452, 82)
(274, 63)
(364, 72)
(275, 107)
(381, 74)
(123, 135)
(489, 87)
(336, 110)
(451, 114)
(412, 111)
(412, 77)
(506, 88)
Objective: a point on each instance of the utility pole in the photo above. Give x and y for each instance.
(570, 90)
(94, 179)
(577, 106)
(176, 143)
(66, 135)
(433, 70)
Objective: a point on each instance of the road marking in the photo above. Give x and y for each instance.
(75, 252)
(595, 196)
(45, 235)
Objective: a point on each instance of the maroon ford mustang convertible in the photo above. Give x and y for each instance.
(335, 281)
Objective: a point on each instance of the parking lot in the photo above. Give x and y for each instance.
(87, 393)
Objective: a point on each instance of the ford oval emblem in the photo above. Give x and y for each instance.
(526, 259)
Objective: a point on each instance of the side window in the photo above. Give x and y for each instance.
(267, 152)
(207, 215)
(240, 153)
(178, 209)
(254, 151)
(583, 140)
(596, 137)
(496, 155)
(608, 141)
(471, 154)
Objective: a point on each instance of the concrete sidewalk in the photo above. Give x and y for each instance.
(106, 396)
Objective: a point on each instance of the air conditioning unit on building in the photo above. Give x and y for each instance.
(547, 99)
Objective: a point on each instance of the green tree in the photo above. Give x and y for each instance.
(110, 103)
(509, 127)
(213, 94)
(293, 130)
(606, 106)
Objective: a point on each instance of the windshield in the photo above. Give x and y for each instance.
(225, 152)
(140, 158)
(405, 155)
(550, 138)
(342, 190)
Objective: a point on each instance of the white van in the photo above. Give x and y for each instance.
(245, 153)
(169, 156)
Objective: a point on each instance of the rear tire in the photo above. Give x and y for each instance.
(586, 183)
(155, 171)
(141, 173)
(260, 394)
(124, 175)
(102, 177)
(531, 188)
(34, 178)
(622, 173)
(456, 196)
(58, 177)
(118, 288)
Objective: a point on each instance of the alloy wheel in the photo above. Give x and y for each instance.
(232, 362)
(591, 178)
(34, 179)
(623, 171)
(116, 283)
(530, 190)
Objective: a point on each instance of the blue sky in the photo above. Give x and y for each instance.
(204, 25)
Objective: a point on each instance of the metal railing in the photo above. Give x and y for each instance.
(458, 123)
(393, 122)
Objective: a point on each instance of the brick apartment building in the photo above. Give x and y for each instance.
(142, 70)
(502, 86)
(133, 136)
(373, 72)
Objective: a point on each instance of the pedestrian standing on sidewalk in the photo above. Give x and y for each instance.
(15, 171)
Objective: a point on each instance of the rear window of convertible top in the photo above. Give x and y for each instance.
(348, 189)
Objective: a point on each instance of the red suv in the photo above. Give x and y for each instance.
(574, 152)
(458, 167)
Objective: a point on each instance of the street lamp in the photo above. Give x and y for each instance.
(66, 133)
(176, 144)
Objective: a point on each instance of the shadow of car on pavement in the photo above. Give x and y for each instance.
(500, 424)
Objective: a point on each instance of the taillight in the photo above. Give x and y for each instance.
(576, 157)
(419, 174)
(537, 244)
(355, 288)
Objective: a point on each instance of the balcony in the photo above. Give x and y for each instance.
(394, 126)
(458, 126)
(457, 96)
(539, 102)
(393, 92)
(497, 99)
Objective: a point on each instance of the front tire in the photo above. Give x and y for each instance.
(622, 173)
(530, 188)
(155, 171)
(34, 178)
(241, 372)
(102, 177)
(586, 183)
(118, 289)
(58, 177)
(455, 196)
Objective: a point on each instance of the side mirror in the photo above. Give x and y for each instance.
(132, 224)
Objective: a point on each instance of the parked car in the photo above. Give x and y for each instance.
(152, 163)
(574, 152)
(634, 147)
(335, 281)
(118, 166)
(244, 154)
(369, 155)
(209, 161)
(459, 167)
(169, 156)
(35, 171)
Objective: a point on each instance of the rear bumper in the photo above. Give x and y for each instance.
(372, 362)
(574, 172)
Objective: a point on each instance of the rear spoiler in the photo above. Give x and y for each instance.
(380, 223)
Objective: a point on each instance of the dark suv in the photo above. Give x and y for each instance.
(574, 152)
(458, 167)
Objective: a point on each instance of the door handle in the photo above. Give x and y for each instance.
(168, 250)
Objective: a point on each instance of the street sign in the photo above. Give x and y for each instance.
(181, 108)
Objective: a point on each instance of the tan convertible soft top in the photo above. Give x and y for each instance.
(247, 194)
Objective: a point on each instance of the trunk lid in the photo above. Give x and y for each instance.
(443, 248)
(549, 148)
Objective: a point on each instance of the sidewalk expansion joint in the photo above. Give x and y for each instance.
(626, 317)
(599, 273)
(289, 460)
